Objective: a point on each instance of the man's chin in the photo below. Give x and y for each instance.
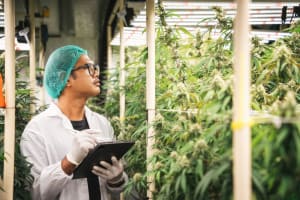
(96, 93)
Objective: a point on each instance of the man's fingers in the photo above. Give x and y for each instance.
(105, 164)
(114, 161)
(99, 171)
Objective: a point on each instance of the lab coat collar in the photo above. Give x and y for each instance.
(54, 111)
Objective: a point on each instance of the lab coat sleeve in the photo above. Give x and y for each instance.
(49, 179)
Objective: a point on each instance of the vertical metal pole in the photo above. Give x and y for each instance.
(9, 125)
(32, 72)
(122, 73)
(122, 68)
(241, 104)
(150, 88)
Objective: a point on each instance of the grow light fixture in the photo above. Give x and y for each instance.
(135, 36)
(190, 15)
(182, 11)
(193, 11)
(171, 5)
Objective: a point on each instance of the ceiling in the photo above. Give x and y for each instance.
(265, 18)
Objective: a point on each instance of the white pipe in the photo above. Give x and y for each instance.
(241, 104)
(122, 68)
(150, 88)
(9, 124)
(32, 70)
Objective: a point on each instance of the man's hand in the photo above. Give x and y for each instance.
(112, 173)
(82, 143)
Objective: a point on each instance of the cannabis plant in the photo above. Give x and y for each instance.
(22, 177)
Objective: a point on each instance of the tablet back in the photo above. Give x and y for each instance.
(102, 152)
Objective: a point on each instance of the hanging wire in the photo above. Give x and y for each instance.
(189, 111)
(256, 117)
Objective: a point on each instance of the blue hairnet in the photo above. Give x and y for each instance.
(58, 68)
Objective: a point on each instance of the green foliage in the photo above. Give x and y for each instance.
(135, 121)
(278, 171)
(22, 177)
(194, 88)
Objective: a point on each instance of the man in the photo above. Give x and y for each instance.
(58, 139)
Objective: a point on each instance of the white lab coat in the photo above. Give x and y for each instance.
(45, 141)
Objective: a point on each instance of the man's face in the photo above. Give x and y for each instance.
(84, 78)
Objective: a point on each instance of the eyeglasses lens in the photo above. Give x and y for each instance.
(93, 69)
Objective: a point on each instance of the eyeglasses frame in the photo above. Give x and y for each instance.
(88, 66)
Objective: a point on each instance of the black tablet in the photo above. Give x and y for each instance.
(102, 152)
